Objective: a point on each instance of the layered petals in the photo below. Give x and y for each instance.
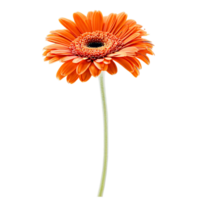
(131, 38)
(112, 68)
(97, 21)
(55, 47)
(138, 62)
(121, 19)
(78, 60)
(118, 54)
(130, 51)
(64, 33)
(147, 51)
(67, 58)
(89, 21)
(67, 68)
(58, 74)
(71, 26)
(81, 22)
(85, 76)
(135, 62)
(144, 58)
(46, 52)
(61, 52)
(135, 72)
(123, 30)
(127, 65)
(82, 67)
(58, 40)
(94, 70)
(102, 66)
(54, 59)
(139, 42)
(99, 60)
(72, 78)
(94, 20)
(110, 22)
(132, 30)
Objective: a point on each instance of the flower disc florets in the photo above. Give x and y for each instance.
(95, 45)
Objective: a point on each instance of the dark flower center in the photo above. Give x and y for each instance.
(95, 44)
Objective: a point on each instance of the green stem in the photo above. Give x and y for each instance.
(105, 135)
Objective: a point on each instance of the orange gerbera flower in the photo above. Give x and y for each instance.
(92, 43)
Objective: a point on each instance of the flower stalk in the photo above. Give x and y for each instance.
(105, 135)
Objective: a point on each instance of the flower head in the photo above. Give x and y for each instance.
(94, 43)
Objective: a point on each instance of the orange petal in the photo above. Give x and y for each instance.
(99, 60)
(55, 46)
(67, 58)
(107, 58)
(85, 76)
(138, 42)
(126, 64)
(47, 58)
(64, 33)
(58, 74)
(105, 67)
(122, 31)
(54, 59)
(58, 40)
(72, 78)
(107, 62)
(135, 62)
(112, 68)
(104, 21)
(94, 70)
(68, 68)
(81, 23)
(147, 50)
(77, 60)
(46, 52)
(118, 54)
(110, 22)
(89, 20)
(82, 67)
(129, 50)
(144, 58)
(101, 66)
(70, 25)
(132, 37)
(130, 32)
(121, 19)
(131, 22)
(62, 52)
(139, 63)
(135, 73)
(97, 21)
(136, 26)
(132, 62)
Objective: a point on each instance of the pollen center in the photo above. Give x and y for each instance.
(95, 45)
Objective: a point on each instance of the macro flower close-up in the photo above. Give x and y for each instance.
(95, 43)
